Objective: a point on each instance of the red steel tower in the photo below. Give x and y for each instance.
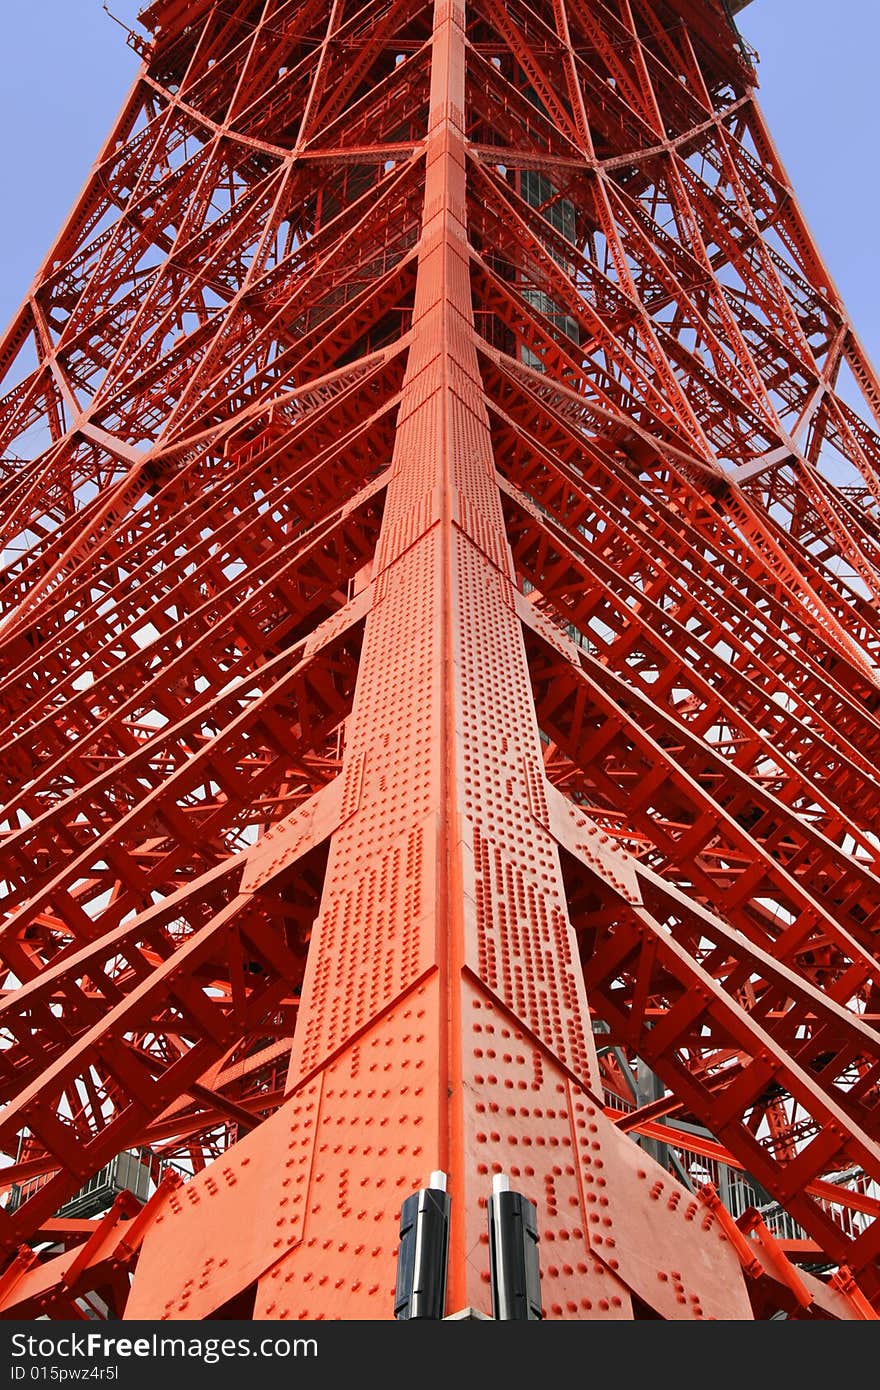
(441, 551)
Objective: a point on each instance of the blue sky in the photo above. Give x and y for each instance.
(65, 68)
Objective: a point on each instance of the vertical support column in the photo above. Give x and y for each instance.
(443, 1011)
(443, 1023)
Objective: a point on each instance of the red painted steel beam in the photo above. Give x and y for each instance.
(438, 612)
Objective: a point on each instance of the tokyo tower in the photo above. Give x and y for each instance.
(439, 637)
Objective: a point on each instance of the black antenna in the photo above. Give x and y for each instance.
(513, 1254)
(423, 1253)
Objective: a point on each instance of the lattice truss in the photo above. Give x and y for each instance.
(202, 392)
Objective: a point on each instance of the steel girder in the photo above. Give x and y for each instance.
(439, 620)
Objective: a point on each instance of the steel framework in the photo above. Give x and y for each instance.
(441, 551)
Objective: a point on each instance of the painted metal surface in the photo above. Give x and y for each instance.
(439, 629)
